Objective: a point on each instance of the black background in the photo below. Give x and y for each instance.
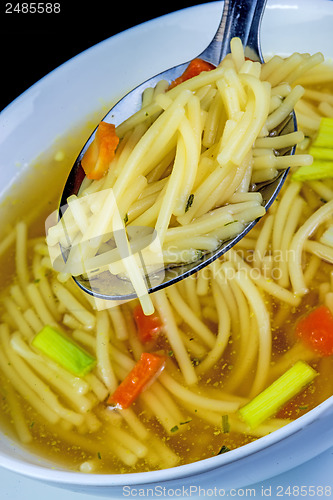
(34, 44)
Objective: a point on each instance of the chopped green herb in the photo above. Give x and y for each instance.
(126, 219)
(224, 449)
(189, 202)
(231, 222)
(174, 429)
(225, 424)
(186, 422)
(63, 351)
(99, 456)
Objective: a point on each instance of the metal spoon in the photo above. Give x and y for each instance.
(241, 18)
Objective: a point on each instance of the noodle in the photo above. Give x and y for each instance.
(102, 352)
(18, 318)
(189, 317)
(264, 331)
(223, 333)
(186, 395)
(195, 176)
(21, 250)
(297, 243)
(73, 305)
(172, 332)
(20, 424)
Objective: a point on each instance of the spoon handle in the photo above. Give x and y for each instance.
(253, 45)
(240, 18)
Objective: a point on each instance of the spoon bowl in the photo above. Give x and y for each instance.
(241, 18)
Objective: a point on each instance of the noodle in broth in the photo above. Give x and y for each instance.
(184, 167)
(228, 331)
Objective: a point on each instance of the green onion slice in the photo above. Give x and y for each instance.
(322, 152)
(324, 137)
(271, 399)
(63, 351)
(320, 169)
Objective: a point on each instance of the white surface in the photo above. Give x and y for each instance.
(314, 474)
(87, 84)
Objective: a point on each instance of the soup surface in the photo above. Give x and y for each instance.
(225, 335)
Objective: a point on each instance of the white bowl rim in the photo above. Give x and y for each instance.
(78, 478)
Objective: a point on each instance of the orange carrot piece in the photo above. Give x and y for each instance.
(146, 370)
(100, 153)
(195, 67)
(148, 327)
(316, 330)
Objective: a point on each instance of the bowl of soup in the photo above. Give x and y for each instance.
(237, 359)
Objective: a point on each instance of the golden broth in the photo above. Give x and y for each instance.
(195, 438)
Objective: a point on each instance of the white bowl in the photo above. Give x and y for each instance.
(85, 87)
